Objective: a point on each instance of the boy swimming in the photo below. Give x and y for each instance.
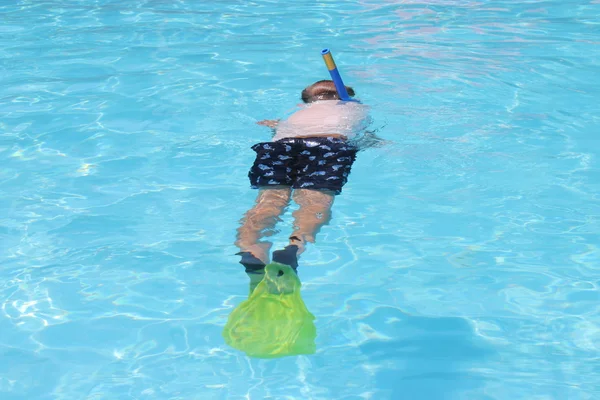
(308, 160)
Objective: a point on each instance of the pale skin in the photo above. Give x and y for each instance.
(313, 213)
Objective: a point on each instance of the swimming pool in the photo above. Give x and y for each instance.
(462, 261)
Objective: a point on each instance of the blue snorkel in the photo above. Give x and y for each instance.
(335, 76)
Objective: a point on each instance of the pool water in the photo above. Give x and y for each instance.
(463, 258)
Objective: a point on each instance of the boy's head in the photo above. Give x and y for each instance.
(322, 90)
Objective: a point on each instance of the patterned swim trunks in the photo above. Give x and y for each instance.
(319, 163)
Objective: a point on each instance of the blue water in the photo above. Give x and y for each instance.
(463, 258)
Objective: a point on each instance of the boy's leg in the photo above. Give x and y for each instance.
(323, 166)
(314, 211)
(260, 221)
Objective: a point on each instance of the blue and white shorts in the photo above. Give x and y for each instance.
(319, 163)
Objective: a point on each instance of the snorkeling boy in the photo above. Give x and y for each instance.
(308, 160)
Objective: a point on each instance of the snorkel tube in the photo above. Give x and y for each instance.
(335, 76)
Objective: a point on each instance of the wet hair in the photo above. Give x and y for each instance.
(322, 90)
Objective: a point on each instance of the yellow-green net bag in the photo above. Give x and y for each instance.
(273, 321)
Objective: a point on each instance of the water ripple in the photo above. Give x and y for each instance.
(462, 258)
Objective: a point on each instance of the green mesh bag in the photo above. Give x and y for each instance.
(273, 321)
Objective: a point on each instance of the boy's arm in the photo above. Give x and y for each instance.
(271, 123)
(370, 139)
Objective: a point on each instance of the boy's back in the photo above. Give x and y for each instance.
(324, 118)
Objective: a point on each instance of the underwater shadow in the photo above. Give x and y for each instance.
(424, 357)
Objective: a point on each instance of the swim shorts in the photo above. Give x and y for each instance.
(319, 163)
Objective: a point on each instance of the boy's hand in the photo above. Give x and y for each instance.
(271, 123)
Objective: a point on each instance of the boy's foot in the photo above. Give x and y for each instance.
(287, 256)
(254, 256)
(300, 242)
(253, 264)
(255, 268)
